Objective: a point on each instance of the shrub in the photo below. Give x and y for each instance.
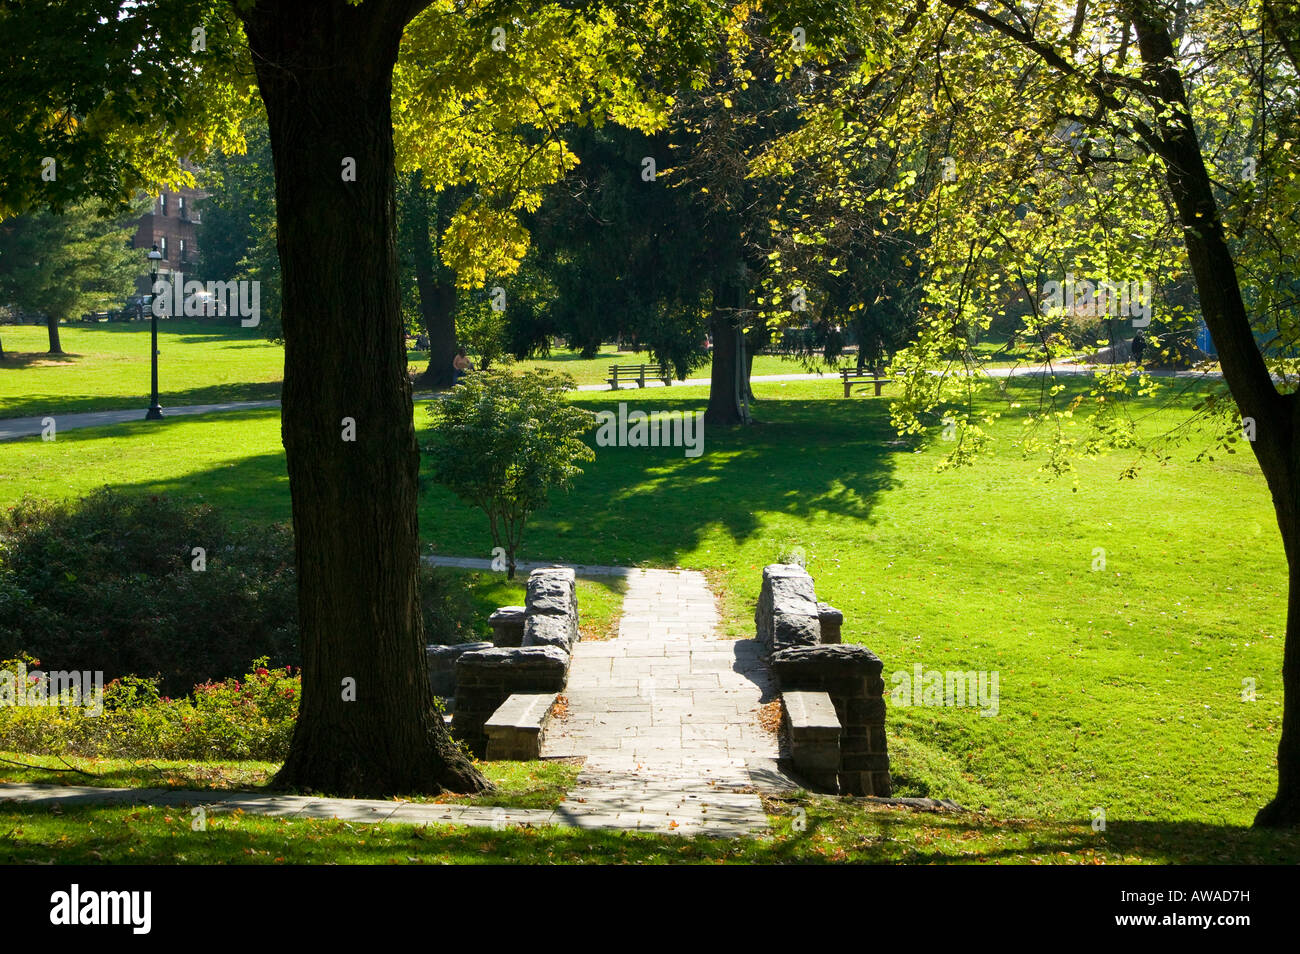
(107, 583)
(247, 718)
(502, 441)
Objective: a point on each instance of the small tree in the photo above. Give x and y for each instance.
(62, 265)
(503, 440)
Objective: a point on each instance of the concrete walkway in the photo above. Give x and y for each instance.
(666, 716)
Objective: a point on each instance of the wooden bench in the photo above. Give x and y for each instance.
(851, 377)
(812, 730)
(515, 731)
(638, 373)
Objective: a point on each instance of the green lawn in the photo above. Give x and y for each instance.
(106, 366)
(1121, 689)
(806, 829)
(596, 370)
(518, 784)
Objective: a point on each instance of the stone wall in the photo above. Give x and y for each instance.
(802, 638)
(486, 678)
(787, 613)
(851, 676)
(442, 665)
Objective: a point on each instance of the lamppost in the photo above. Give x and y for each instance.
(155, 256)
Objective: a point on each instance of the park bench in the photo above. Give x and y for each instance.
(515, 731)
(96, 316)
(638, 373)
(851, 377)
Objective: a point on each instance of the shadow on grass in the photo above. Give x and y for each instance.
(64, 404)
(650, 505)
(95, 834)
(194, 329)
(13, 360)
(632, 505)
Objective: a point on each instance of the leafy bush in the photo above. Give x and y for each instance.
(109, 583)
(502, 441)
(247, 718)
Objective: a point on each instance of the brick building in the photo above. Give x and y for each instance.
(172, 225)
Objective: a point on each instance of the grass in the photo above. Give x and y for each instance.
(106, 366)
(806, 829)
(201, 361)
(1121, 688)
(518, 784)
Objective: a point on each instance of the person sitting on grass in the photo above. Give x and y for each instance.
(461, 364)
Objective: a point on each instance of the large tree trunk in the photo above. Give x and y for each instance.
(366, 724)
(52, 326)
(724, 408)
(729, 373)
(1276, 416)
(437, 290)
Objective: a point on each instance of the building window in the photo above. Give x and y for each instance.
(182, 248)
(162, 246)
(180, 210)
(162, 203)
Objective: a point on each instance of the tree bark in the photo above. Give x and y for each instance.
(436, 287)
(728, 372)
(723, 409)
(52, 326)
(1277, 416)
(367, 724)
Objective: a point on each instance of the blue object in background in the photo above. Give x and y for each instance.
(1203, 339)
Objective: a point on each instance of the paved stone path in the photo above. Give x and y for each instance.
(667, 717)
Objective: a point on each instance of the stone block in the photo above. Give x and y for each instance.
(441, 662)
(844, 667)
(560, 631)
(787, 613)
(507, 626)
(516, 729)
(831, 620)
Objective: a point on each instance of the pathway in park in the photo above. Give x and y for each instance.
(14, 428)
(667, 718)
(666, 715)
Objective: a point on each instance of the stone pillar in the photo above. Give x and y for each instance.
(831, 620)
(787, 613)
(551, 609)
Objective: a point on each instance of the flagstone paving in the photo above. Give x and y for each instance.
(667, 717)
